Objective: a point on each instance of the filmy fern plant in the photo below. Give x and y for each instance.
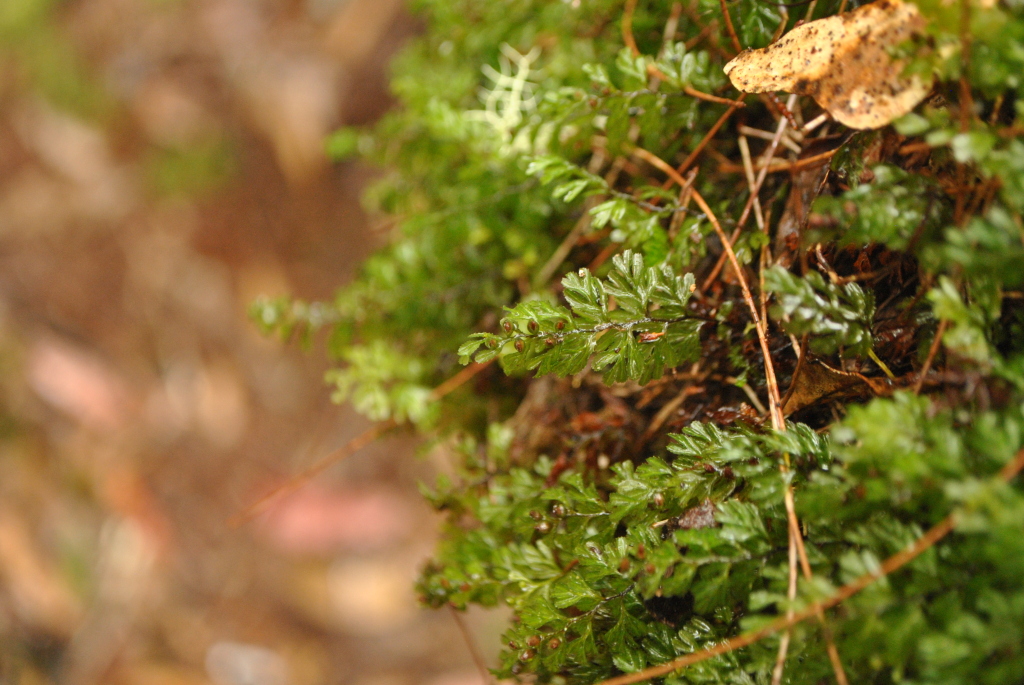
(759, 402)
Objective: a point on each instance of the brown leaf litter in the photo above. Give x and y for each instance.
(843, 62)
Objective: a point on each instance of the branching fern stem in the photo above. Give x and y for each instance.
(780, 660)
(297, 482)
(474, 650)
(559, 336)
(627, 26)
(730, 28)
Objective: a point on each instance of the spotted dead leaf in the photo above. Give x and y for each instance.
(843, 63)
(818, 381)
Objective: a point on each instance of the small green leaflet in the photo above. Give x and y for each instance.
(648, 330)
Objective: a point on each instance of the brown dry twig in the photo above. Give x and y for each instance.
(474, 651)
(774, 398)
(630, 41)
(768, 154)
(730, 28)
(627, 26)
(367, 437)
(736, 104)
(583, 223)
(932, 351)
(666, 411)
(814, 160)
(701, 95)
(780, 660)
(297, 482)
(773, 386)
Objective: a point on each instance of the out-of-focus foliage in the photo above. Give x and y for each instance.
(32, 48)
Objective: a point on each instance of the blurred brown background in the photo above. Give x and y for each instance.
(161, 165)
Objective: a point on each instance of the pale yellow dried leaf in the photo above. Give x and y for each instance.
(843, 63)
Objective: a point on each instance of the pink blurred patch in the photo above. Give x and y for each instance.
(459, 678)
(321, 521)
(78, 384)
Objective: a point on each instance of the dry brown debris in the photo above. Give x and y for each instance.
(843, 62)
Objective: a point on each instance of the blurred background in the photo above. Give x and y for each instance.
(162, 165)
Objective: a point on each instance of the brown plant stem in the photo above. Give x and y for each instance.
(768, 155)
(737, 103)
(730, 28)
(367, 437)
(773, 386)
(814, 160)
(474, 651)
(780, 660)
(932, 351)
(630, 42)
(774, 399)
(627, 26)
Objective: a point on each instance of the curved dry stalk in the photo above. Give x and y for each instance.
(893, 563)
(367, 437)
(474, 651)
(730, 28)
(774, 398)
(932, 351)
(630, 42)
(768, 155)
(778, 422)
(773, 385)
(780, 660)
(627, 26)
